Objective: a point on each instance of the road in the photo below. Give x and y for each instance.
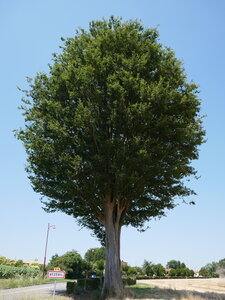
(32, 292)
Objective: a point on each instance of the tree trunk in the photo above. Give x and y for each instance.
(113, 284)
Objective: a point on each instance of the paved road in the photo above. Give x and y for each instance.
(32, 292)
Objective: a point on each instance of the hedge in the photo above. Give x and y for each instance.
(71, 287)
(129, 281)
(84, 284)
(89, 284)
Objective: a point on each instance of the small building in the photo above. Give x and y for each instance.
(32, 262)
(124, 263)
(196, 274)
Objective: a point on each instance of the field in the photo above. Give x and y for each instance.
(171, 289)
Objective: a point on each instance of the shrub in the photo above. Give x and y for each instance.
(93, 284)
(71, 287)
(129, 281)
(81, 283)
(89, 284)
(12, 272)
(143, 277)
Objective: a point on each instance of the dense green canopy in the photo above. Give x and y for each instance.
(114, 117)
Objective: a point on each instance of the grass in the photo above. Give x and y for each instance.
(48, 297)
(23, 281)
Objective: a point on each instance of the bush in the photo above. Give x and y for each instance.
(12, 272)
(71, 287)
(93, 284)
(129, 281)
(89, 284)
(143, 277)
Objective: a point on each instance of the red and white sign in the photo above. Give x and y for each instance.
(56, 274)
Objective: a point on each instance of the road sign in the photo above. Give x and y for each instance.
(56, 274)
(57, 269)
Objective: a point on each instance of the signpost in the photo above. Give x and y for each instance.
(56, 274)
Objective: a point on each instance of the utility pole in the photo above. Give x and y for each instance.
(46, 246)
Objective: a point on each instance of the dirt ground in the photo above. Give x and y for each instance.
(212, 285)
(176, 289)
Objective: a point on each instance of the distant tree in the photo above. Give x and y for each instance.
(71, 262)
(149, 270)
(220, 271)
(20, 263)
(139, 271)
(190, 273)
(181, 272)
(221, 263)
(3, 260)
(175, 264)
(132, 271)
(172, 273)
(95, 254)
(159, 270)
(209, 270)
(111, 132)
(10, 262)
(146, 264)
(99, 266)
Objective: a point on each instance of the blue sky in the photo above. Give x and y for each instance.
(30, 33)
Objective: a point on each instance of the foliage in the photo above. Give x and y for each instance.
(12, 272)
(212, 269)
(89, 284)
(18, 263)
(139, 277)
(146, 264)
(176, 269)
(124, 269)
(94, 254)
(95, 258)
(158, 270)
(153, 270)
(129, 280)
(114, 117)
(181, 272)
(99, 266)
(71, 287)
(71, 262)
(149, 270)
(10, 262)
(131, 271)
(111, 131)
(175, 264)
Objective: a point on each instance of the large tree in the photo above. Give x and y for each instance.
(111, 131)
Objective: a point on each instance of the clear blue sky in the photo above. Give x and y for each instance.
(30, 33)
